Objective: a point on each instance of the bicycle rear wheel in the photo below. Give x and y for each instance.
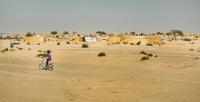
(50, 66)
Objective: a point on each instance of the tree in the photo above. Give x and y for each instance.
(132, 33)
(65, 32)
(159, 33)
(54, 32)
(29, 34)
(101, 33)
(176, 32)
(168, 33)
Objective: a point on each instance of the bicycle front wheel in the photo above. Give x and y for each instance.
(50, 66)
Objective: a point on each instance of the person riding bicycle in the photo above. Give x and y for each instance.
(48, 58)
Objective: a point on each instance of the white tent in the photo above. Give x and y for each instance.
(90, 39)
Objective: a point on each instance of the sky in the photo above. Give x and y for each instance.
(89, 16)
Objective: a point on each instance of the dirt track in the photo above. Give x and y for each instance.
(81, 76)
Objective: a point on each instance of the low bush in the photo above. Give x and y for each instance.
(4, 50)
(156, 56)
(85, 46)
(144, 58)
(58, 43)
(191, 49)
(101, 54)
(20, 48)
(28, 43)
(150, 55)
(67, 42)
(138, 43)
(143, 52)
(11, 45)
(41, 55)
(29, 48)
(148, 44)
(39, 50)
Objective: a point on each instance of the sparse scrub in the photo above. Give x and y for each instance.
(148, 44)
(28, 43)
(67, 42)
(132, 43)
(156, 56)
(85, 46)
(101, 54)
(143, 52)
(29, 48)
(58, 43)
(11, 45)
(191, 49)
(4, 50)
(138, 43)
(12, 49)
(39, 50)
(41, 55)
(144, 58)
(150, 55)
(20, 48)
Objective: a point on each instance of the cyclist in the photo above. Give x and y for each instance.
(48, 58)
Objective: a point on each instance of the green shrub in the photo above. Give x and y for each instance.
(191, 49)
(101, 54)
(125, 42)
(138, 43)
(148, 44)
(20, 48)
(12, 50)
(67, 42)
(85, 46)
(11, 45)
(6, 49)
(150, 55)
(41, 55)
(143, 52)
(144, 58)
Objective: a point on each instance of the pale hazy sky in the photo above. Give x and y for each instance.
(88, 16)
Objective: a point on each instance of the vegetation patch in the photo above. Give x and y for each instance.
(144, 58)
(150, 55)
(67, 42)
(148, 44)
(85, 46)
(41, 55)
(138, 43)
(143, 52)
(101, 54)
(11, 45)
(191, 49)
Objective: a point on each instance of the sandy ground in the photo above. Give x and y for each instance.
(81, 76)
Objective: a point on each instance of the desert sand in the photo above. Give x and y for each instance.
(81, 76)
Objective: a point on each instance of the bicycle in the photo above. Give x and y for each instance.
(43, 65)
